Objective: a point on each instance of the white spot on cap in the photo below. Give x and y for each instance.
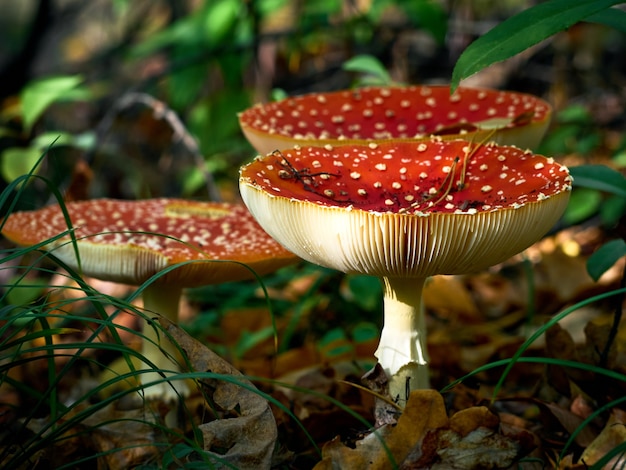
(380, 166)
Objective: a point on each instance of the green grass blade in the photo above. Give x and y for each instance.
(553, 321)
(517, 357)
(588, 420)
(509, 363)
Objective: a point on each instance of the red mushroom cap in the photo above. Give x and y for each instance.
(130, 241)
(406, 208)
(382, 113)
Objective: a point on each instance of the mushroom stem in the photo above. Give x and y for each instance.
(402, 349)
(156, 347)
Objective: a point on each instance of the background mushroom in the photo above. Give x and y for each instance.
(405, 211)
(381, 113)
(131, 241)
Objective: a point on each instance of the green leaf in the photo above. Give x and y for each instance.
(250, 339)
(428, 15)
(186, 31)
(522, 31)
(612, 210)
(84, 141)
(365, 331)
(18, 161)
(612, 17)
(219, 19)
(39, 94)
(268, 7)
(583, 203)
(575, 113)
(599, 177)
(605, 257)
(24, 291)
(369, 65)
(366, 291)
(278, 94)
(619, 159)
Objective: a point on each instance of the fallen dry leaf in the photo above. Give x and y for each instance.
(557, 419)
(472, 439)
(450, 299)
(389, 446)
(245, 438)
(613, 435)
(424, 438)
(481, 448)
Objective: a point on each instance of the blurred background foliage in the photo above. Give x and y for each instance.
(108, 81)
(134, 99)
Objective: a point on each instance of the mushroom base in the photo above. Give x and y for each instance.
(402, 349)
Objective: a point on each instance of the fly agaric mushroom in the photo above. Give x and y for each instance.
(406, 113)
(403, 212)
(130, 241)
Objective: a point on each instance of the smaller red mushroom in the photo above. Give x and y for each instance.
(132, 241)
(407, 113)
(404, 211)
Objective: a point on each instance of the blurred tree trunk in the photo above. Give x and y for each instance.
(16, 72)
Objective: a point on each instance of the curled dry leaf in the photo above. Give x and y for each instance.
(246, 438)
(613, 434)
(472, 439)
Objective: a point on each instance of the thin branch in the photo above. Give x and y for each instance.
(161, 111)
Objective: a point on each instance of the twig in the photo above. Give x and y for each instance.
(161, 111)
